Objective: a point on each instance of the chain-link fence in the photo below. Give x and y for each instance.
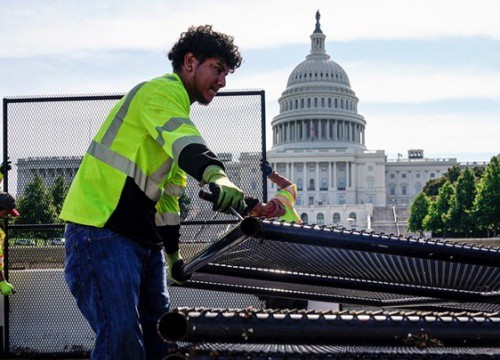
(45, 140)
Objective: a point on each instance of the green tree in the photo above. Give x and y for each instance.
(35, 207)
(478, 171)
(452, 174)
(58, 192)
(418, 211)
(461, 219)
(437, 219)
(487, 203)
(431, 187)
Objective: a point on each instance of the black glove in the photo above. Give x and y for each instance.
(175, 269)
(266, 168)
(5, 166)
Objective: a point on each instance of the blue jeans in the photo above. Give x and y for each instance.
(120, 288)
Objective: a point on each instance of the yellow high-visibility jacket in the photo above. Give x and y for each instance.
(134, 170)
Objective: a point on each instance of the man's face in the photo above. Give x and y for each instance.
(209, 77)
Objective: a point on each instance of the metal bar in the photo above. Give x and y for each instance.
(330, 328)
(263, 141)
(234, 237)
(64, 98)
(361, 241)
(350, 283)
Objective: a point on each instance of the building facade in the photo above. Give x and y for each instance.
(319, 143)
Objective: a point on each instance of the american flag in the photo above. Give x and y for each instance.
(313, 132)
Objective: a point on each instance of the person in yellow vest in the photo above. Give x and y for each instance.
(122, 205)
(282, 205)
(7, 207)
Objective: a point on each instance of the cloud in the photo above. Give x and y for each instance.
(411, 83)
(449, 133)
(52, 27)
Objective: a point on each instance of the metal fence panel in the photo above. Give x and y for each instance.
(46, 138)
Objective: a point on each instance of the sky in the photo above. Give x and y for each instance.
(427, 72)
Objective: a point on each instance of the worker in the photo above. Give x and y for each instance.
(122, 205)
(282, 205)
(7, 207)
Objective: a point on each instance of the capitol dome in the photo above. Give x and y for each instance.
(318, 104)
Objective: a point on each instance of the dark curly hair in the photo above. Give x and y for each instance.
(205, 43)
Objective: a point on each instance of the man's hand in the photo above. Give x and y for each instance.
(6, 288)
(226, 193)
(175, 271)
(266, 168)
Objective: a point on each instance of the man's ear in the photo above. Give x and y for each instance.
(190, 62)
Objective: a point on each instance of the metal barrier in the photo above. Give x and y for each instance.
(45, 138)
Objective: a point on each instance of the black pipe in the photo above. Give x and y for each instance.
(246, 228)
(361, 241)
(331, 329)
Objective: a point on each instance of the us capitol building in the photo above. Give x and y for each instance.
(318, 143)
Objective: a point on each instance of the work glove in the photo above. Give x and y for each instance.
(5, 166)
(175, 271)
(6, 288)
(225, 192)
(266, 168)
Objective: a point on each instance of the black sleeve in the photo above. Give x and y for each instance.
(170, 235)
(195, 158)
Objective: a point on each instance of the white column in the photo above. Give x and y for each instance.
(334, 178)
(317, 184)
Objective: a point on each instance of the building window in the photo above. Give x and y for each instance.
(392, 189)
(320, 219)
(324, 200)
(298, 201)
(392, 176)
(324, 184)
(404, 189)
(370, 167)
(304, 218)
(341, 167)
(418, 175)
(311, 200)
(341, 199)
(403, 176)
(299, 184)
(323, 169)
(311, 184)
(312, 168)
(341, 183)
(371, 199)
(336, 219)
(299, 168)
(352, 219)
(433, 175)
